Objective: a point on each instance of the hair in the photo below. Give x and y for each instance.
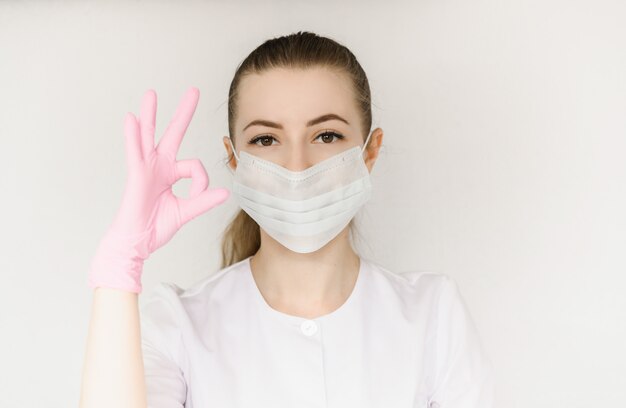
(301, 50)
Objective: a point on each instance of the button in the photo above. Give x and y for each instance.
(433, 404)
(308, 327)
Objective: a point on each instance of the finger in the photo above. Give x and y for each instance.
(133, 146)
(190, 208)
(147, 121)
(195, 170)
(173, 135)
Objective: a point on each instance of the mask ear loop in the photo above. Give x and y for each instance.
(233, 147)
(235, 153)
(365, 144)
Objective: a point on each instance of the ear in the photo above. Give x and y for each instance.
(376, 140)
(232, 163)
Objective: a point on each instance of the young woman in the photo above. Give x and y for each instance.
(295, 317)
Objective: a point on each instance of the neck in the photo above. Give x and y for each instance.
(307, 285)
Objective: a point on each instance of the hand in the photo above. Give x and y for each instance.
(150, 214)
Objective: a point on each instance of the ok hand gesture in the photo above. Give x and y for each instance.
(150, 213)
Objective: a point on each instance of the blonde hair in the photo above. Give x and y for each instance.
(242, 237)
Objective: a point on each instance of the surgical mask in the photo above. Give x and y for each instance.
(303, 210)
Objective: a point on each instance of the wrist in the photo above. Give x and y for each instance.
(118, 262)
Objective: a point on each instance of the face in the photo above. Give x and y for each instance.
(297, 118)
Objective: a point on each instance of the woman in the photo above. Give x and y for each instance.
(295, 317)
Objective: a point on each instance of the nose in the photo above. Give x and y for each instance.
(298, 159)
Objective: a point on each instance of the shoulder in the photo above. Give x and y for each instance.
(169, 305)
(419, 293)
(412, 283)
(168, 289)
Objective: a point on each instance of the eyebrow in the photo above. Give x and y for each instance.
(323, 118)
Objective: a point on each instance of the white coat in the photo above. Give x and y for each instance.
(399, 340)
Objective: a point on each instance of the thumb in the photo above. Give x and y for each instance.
(190, 208)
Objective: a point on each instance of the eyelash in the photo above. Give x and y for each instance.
(256, 139)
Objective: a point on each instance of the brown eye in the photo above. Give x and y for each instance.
(265, 140)
(328, 137)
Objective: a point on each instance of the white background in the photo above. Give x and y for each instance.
(503, 166)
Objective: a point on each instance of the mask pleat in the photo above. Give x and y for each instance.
(299, 206)
(317, 226)
(305, 216)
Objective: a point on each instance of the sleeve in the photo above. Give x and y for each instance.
(464, 376)
(160, 343)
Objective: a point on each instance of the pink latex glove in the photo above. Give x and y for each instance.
(150, 213)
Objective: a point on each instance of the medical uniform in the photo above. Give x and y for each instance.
(399, 340)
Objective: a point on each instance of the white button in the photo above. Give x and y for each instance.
(433, 404)
(308, 327)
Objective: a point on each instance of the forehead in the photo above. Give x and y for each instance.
(294, 96)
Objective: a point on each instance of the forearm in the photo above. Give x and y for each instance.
(113, 372)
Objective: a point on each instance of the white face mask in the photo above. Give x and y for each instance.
(303, 210)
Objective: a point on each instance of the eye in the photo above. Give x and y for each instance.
(266, 140)
(327, 137)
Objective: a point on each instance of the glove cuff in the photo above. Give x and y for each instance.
(118, 263)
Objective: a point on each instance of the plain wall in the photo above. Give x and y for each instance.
(503, 166)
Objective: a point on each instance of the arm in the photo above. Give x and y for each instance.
(113, 374)
(149, 216)
(465, 375)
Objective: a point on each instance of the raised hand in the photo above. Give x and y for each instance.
(150, 213)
